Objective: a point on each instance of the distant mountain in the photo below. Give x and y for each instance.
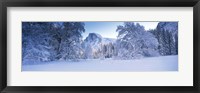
(94, 38)
(95, 45)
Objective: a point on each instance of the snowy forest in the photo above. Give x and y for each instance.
(63, 41)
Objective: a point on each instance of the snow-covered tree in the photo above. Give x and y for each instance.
(48, 41)
(134, 42)
(70, 40)
(36, 41)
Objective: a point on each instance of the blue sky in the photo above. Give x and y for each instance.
(108, 29)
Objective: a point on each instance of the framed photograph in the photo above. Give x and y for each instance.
(100, 46)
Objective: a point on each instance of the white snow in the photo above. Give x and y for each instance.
(162, 63)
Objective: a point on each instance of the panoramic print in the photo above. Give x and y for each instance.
(100, 46)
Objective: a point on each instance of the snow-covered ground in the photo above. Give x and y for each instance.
(162, 63)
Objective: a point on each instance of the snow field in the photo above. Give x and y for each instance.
(162, 63)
